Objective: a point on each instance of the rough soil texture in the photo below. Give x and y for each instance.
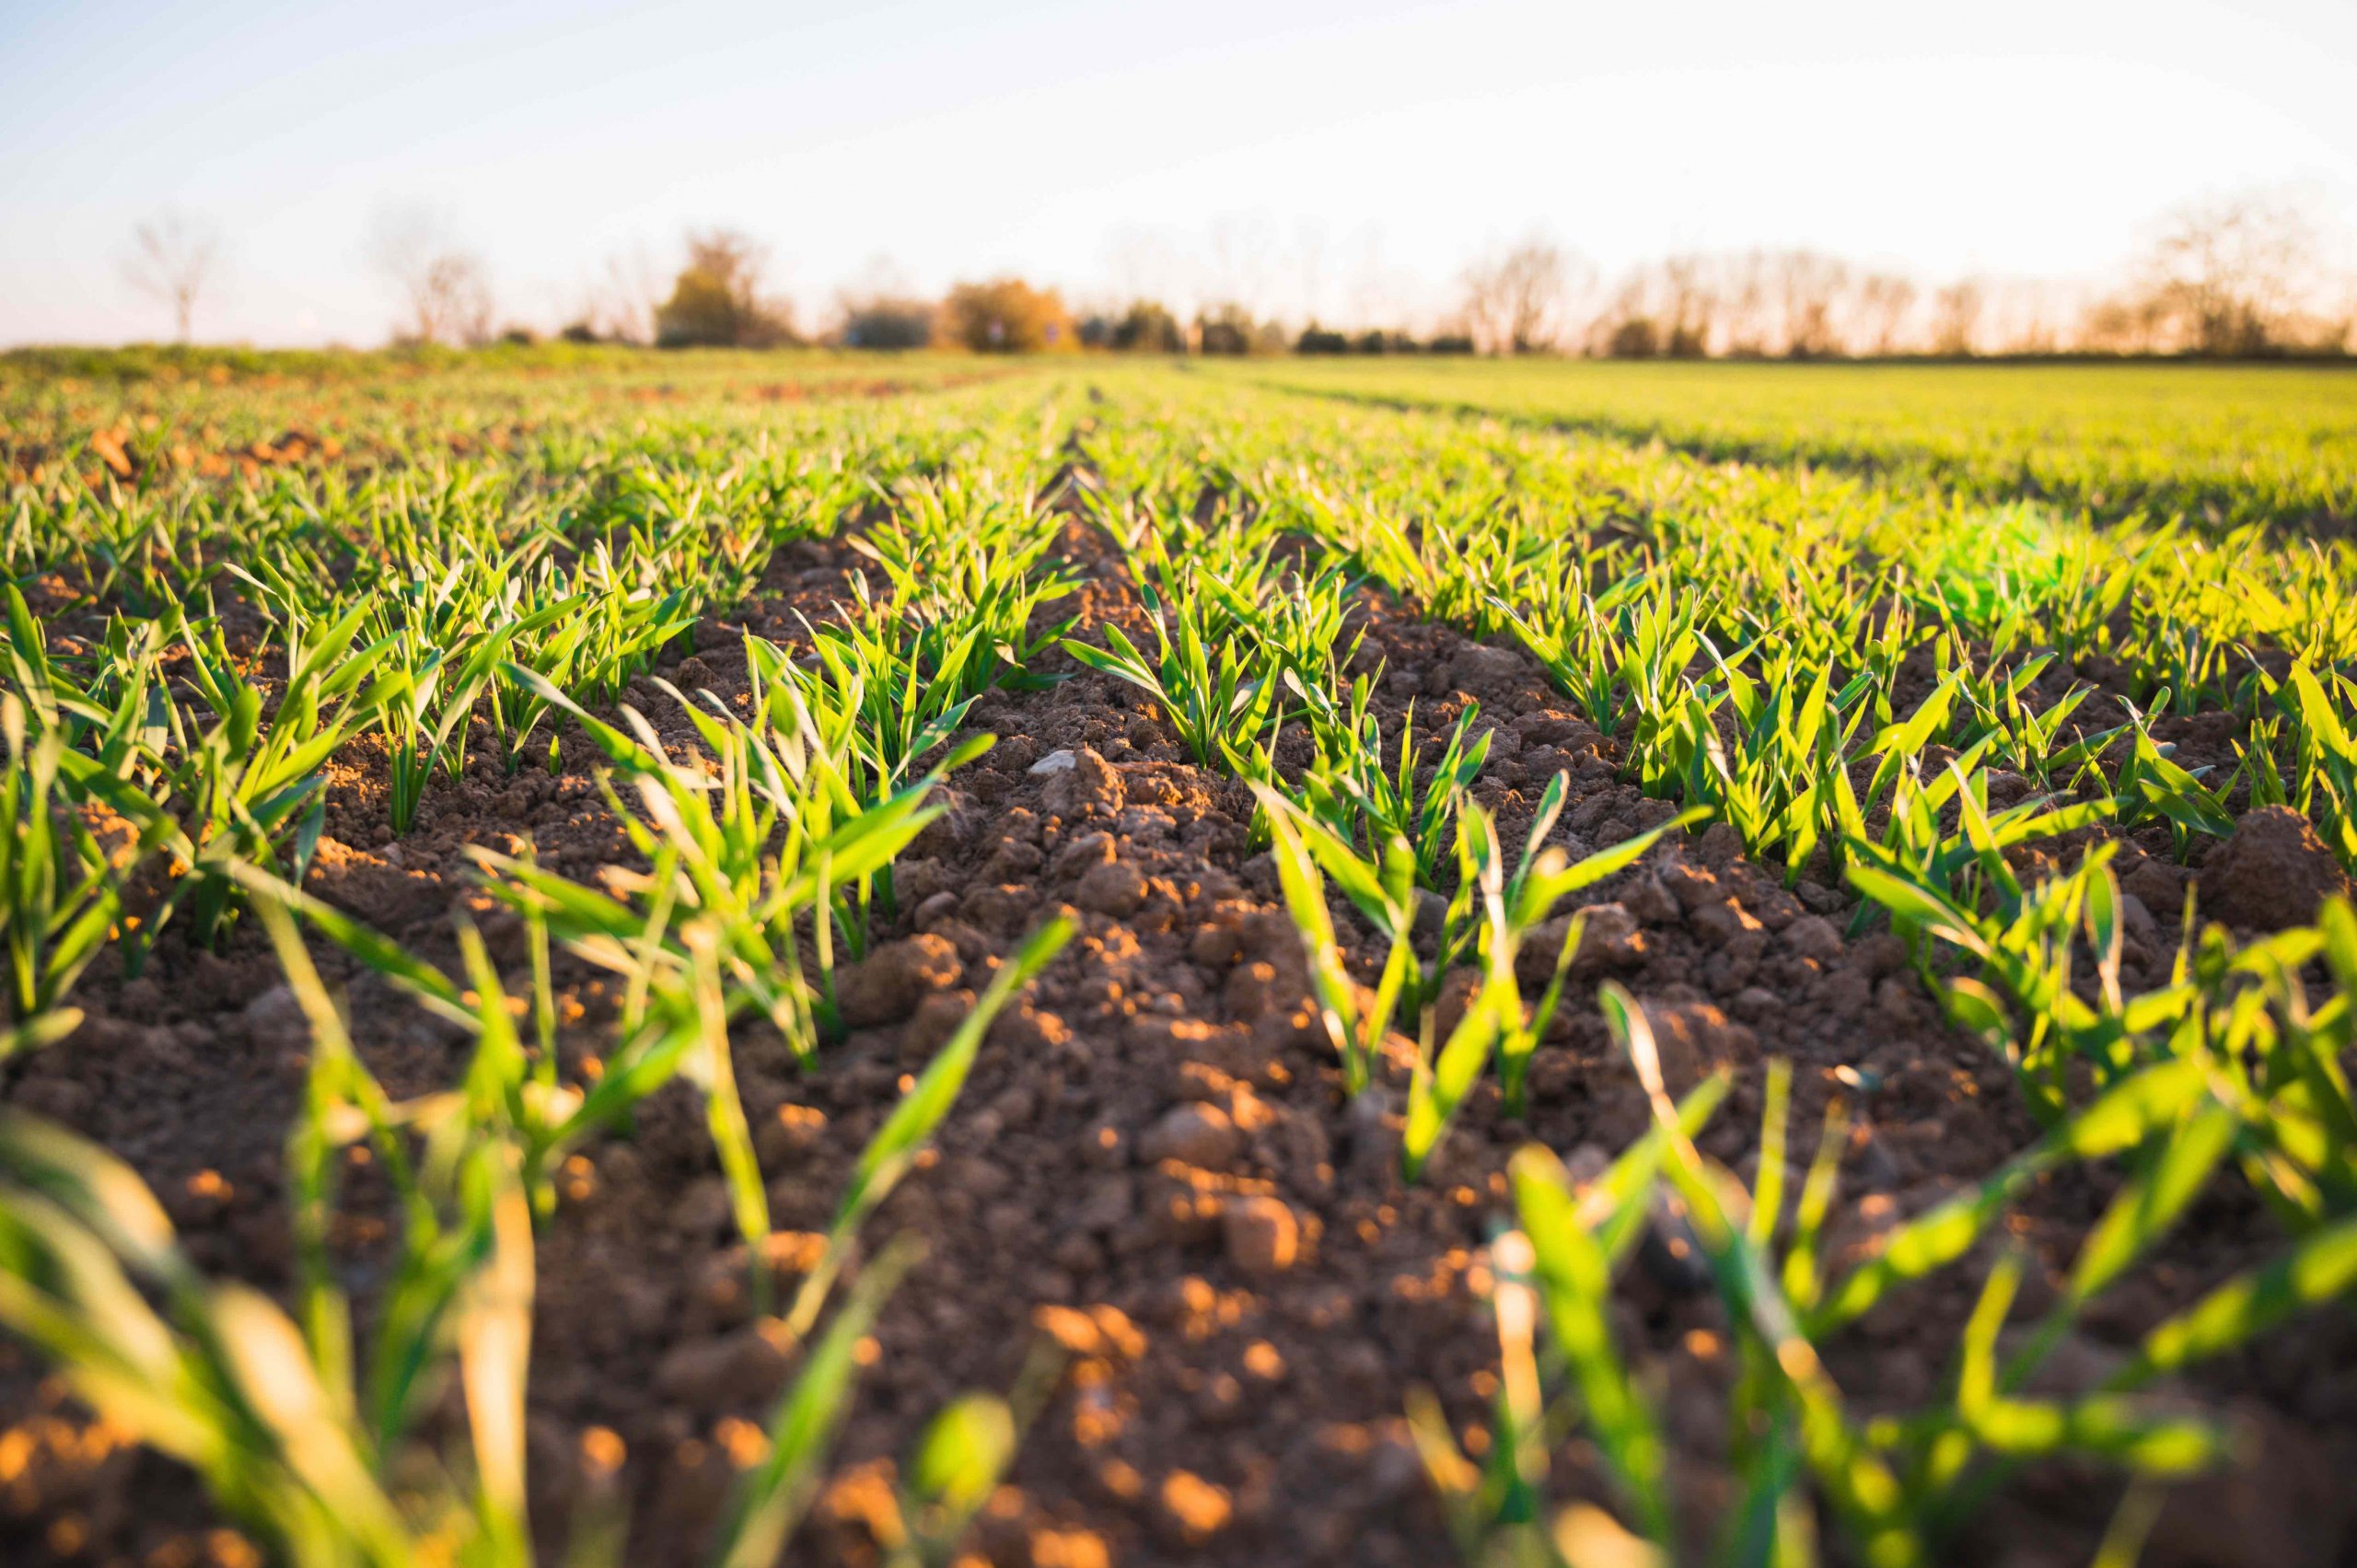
(2273, 873)
(1153, 1166)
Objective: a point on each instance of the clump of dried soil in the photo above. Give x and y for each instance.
(2273, 871)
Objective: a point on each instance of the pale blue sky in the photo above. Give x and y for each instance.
(1337, 156)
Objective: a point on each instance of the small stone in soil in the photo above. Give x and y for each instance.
(1193, 1509)
(1196, 1134)
(1262, 1236)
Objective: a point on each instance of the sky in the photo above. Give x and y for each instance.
(1339, 157)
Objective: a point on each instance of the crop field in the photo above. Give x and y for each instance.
(2221, 444)
(716, 959)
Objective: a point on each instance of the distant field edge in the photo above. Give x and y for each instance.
(2219, 503)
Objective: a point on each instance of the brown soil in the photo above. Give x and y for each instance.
(2273, 873)
(1154, 1165)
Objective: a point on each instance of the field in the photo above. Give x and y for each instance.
(2222, 444)
(728, 959)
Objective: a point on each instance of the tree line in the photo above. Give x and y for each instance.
(2236, 278)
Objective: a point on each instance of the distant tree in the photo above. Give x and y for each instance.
(1148, 328)
(622, 301)
(1514, 302)
(1006, 316)
(1750, 305)
(1632, 305)
(1808, 286)
(2034, 315)
(716, 300)
(445, 290)
(1690, 304)
(1316, 339)
(451, 299)
(700, 313)
(1884, 301)
(2227, 275)
(172, 259)
(1956, 317)
(2337, 331)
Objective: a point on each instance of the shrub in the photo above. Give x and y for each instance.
(1230, 329)
(883, 322)
(1636, 338)
(1148, 328)
(1006, 316)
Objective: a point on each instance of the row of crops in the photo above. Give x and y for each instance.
(1953, 705)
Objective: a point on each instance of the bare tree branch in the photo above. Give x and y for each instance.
(623, 300)
(2228, 277)
(445, 290)
(1514, 303)
(1956, 317)
(172, 259)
